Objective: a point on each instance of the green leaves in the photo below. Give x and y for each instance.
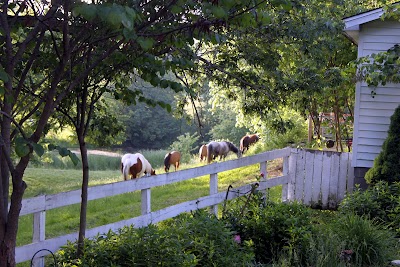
(65, 152)
(24, 147)
(116, 16)
(21, 147)
(380, 68)
(145, 43)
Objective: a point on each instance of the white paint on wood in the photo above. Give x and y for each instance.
(326, 171)
(39, 225)
(343, 175)
(334, 180)
(146, 201)
(309, 177)
(292, 170)
(300, 174)
(317, 180)
(214, 190)
(287, 184)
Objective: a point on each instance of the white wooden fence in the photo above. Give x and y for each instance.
(312, 177)
(320, 178)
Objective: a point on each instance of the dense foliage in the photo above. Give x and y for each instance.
(380, 201)
(189, 240)
(252, 232)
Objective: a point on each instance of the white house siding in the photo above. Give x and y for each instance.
(372, 112)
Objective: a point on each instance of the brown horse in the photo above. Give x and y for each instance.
(173, 158)
(203, 152)
(135, 165)
(247, 140)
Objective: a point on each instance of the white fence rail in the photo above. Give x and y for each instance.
(39, 205)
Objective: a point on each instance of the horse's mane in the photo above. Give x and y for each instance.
(232, 147)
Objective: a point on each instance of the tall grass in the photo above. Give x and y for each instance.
(52, 160)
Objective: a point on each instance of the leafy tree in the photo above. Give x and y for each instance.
(148, 127)
(186, 144)
(296, 60)
(51, 48)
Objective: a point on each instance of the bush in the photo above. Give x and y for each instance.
(189, 240)
(273, 228)
(379, 202)
(186, 144)
(350, 240)
(371, 243)
(386, 165)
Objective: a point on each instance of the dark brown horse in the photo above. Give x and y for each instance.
(203, 152)
(135, 165)
(247, 140)
(173, 158)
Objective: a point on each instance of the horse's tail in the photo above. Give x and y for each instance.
(241, 144)
(209, 153)
(201, 152)
(125, 170)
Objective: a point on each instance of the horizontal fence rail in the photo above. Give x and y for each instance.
(39, 205)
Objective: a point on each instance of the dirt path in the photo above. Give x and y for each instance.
(99, 152)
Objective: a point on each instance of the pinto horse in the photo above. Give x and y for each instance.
(174, 158)
(203, 152)
(221, 149)
(135, 165)
(248, 140)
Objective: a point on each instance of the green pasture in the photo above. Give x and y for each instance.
(50, 180)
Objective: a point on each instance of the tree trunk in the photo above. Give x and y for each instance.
(84, 195)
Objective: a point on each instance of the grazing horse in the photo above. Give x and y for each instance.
(221, 149)
(247, 140)
(135, 165)
(203, 152)
(174, 158)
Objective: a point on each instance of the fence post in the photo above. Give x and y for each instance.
(286, 188)
(146, 201)
(214, 190)
(263, 169)
(39, 223)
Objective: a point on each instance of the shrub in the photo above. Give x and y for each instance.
(188, 240)
(210, 240)
(386, 165)
(273, 228)
(186, 144)
(371, 243)
(379, 202)
(147, 246)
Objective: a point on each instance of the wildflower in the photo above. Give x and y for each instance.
(236, 238)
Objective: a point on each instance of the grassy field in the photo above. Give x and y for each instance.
(107, 210)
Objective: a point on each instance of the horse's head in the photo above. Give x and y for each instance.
(239, 154)
(166, 168)
(153, 172)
